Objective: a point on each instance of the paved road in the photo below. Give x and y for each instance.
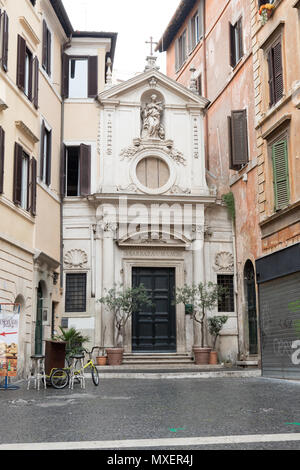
(155, 411)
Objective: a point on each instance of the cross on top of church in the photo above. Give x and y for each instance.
(151, 42)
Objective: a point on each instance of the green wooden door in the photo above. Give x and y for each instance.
(39, 322)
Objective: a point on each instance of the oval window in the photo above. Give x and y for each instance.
(152, 172)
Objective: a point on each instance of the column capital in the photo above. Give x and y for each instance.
(108, 229)
(198, 232)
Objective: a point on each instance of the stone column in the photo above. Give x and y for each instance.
(108, 279)
(198, 270)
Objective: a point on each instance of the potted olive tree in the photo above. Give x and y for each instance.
(200, 299)
(122, 303)
(215, 325)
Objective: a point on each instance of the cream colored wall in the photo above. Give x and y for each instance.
(21, 234)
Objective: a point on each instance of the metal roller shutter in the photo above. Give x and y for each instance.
(279, 301)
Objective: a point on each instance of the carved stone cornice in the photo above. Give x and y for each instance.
(25, 130)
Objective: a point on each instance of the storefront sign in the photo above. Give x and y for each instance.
(9, 329)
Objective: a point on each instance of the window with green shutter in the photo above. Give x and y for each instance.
(280, 174)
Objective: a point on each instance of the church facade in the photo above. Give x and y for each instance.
(138, 210)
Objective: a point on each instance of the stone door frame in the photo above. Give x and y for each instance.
(157, 261)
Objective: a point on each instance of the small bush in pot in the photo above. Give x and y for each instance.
(122, 303)
(215, 325)
(200, 298)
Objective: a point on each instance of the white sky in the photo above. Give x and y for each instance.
(134, 21)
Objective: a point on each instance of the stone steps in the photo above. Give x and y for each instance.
(156, 359)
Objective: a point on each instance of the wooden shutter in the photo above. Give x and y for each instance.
(65, 76)
(278, 75)
(5, 41)
(48, 52)
(232, 45)
(63, 170)
(17, 186)
(36, 82)
(21, 63)
(44, 54)
(49, 158)
(33, 174)
(239, 134)
(2, 149)
(85, 169)
(92, 76)
(240, 36)
(280, 174)
(271, 77)
(42, 150)
(201, 19)
(176, 55)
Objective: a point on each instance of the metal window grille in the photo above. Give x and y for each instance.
(75, 292)
(226, 301)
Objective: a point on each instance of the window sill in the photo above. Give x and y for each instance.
(79, 100)
(22, 212)
(243, 171)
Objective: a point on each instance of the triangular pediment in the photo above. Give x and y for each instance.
(154, 79)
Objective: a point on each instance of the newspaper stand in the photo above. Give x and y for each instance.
(9, 330)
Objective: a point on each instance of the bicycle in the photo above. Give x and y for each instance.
(60, 377)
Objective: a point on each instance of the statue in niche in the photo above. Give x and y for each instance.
(151, 116)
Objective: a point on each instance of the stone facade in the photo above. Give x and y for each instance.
(168, 218)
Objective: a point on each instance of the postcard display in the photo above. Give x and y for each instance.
(9, 330)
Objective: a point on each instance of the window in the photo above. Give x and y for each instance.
(152, 172)
(24, 188)
(28, 74)
(238, 139)
(80, 77)
(195, 30)
(75, 292)
(199, 85)
(2, 149)
(45, 160)
(46, 63)
(4, 26)
(226, 302)
(27, 71)
(236, 43)
(181, 51)
(77, 171)
(279, 151)
(24, 181)
(274, 58)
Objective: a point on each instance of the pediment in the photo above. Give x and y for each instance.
(153, 80)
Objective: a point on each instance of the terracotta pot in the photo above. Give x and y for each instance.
(101, 360)
(213, 357)
(115, 356)
(201, 355)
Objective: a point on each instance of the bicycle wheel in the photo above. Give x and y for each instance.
(95, 375)
(59, 378)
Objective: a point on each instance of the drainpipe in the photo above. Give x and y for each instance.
(235, 280)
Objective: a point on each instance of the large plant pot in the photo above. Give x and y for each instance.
(101, 360)
(201, 355)
(213, 357)
(114, 356)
